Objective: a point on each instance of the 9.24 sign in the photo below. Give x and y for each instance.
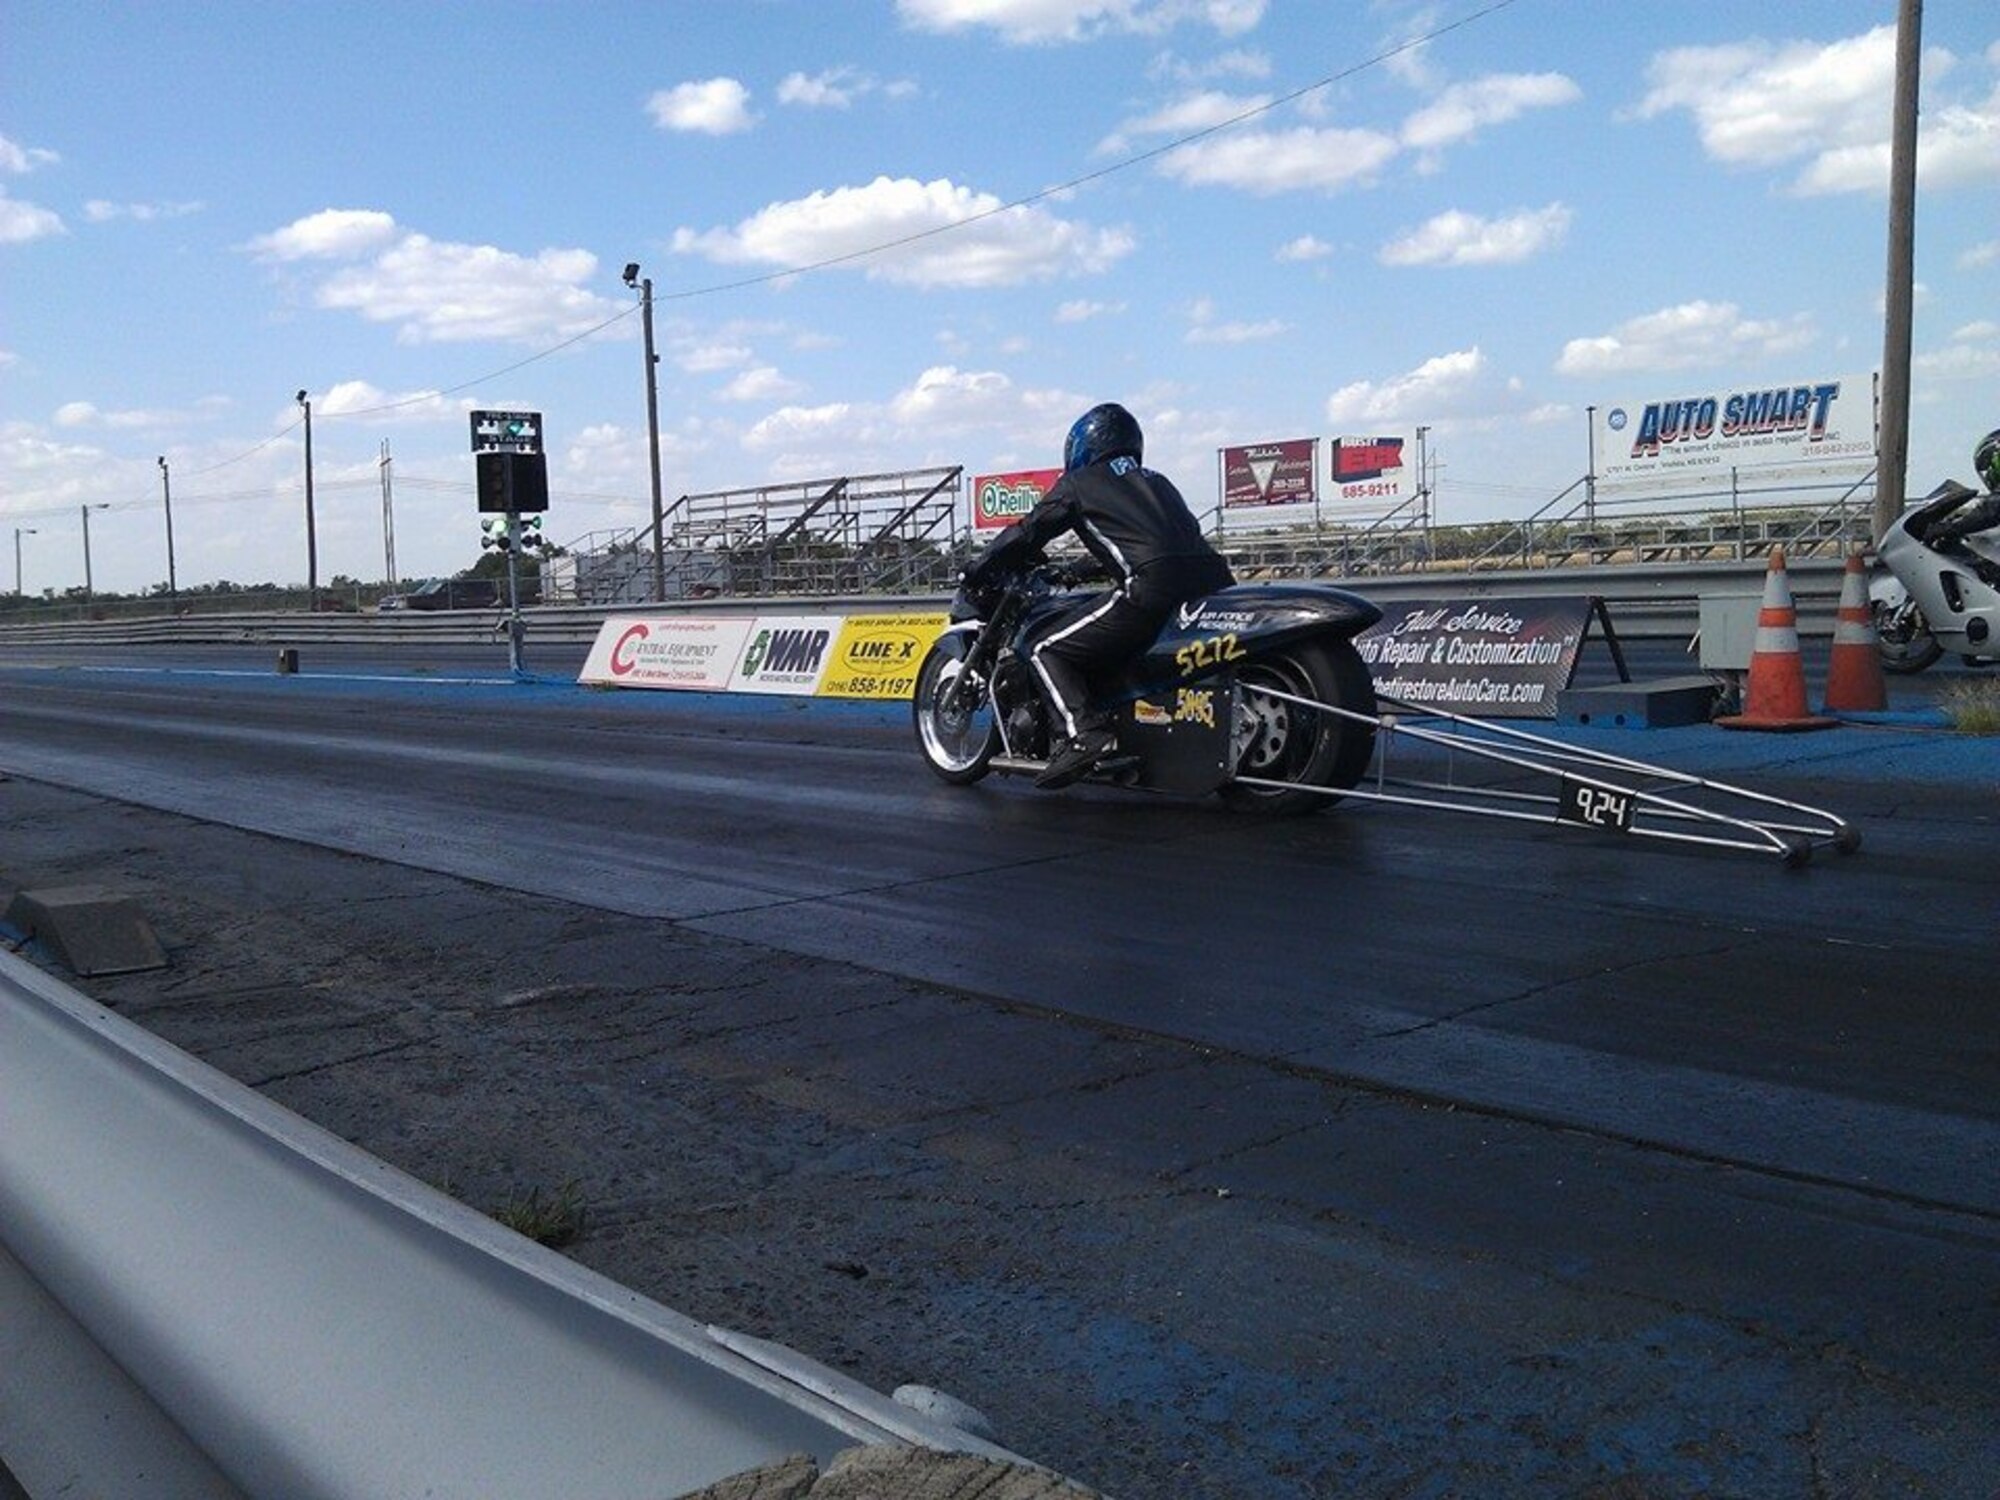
(1595, 805)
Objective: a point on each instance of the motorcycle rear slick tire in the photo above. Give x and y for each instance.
(1303, 746)
(958, 747)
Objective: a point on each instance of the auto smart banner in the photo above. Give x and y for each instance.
(1002, 499)
(1494, 658)
(1284, 473)
(1674, 437)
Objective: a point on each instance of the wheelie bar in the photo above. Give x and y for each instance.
(1593, 789)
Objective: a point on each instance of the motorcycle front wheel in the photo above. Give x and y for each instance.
(958, 741)
(1283, 741)
(1903, 639)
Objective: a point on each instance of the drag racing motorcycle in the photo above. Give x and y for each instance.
(1936, 598)
(1255, 692)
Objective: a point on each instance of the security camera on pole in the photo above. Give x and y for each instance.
(513, 477)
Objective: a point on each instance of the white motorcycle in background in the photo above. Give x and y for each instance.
(1940, 593)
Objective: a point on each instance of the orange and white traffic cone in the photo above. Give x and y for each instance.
(1854, 681)
(1775, 697)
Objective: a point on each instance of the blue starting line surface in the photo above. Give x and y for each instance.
(1907, 746)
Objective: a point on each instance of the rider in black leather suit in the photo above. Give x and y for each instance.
(1948, 536)
(1140, 530)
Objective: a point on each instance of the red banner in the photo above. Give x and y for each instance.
(1002, 499)
(1370, 468)
(1270, 473)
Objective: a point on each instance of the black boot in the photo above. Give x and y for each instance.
(1074, 757)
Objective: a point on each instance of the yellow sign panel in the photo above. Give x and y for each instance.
(877, 656)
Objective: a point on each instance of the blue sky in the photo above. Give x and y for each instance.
(415, 210)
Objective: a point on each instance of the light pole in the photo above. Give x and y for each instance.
(88, 590)
(19, 532)
(645, 290)
(312, 538)
(1892, 439)
(167, 496)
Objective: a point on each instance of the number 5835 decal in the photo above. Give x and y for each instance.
(1210, 651)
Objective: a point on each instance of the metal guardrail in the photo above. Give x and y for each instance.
(1648, 601)
(283, 1314)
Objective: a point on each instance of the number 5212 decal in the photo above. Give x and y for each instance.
(1211, 651)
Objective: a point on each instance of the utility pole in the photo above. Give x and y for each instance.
(19, 532)
(312, 538)
(388, 521)
(645, 289)
(88, 589)
(1892, 443)
(167, 497)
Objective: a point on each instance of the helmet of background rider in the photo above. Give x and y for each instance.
(1986, 460)
(1103, 432)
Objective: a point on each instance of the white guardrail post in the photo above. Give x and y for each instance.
(290, 1316)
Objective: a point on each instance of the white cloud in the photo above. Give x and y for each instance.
(1268, 162)
(1985, 328)
(1959, 362)
(1306, 247)
(1236, 333)
(711, 106)
(348, 397)
(1692, 334)
(1984, 254)
(835, 88)
(99, 211)
(1082, 310)
(1758, 103)
(1444, 386)
(1238, 63)
(1033, 21)
(82, 414)
(1457, 238)
(440, 292)
(1463, 109)
(1203, 111)
(18, 159)
(760, 383)
(332, 233)
(707, 359)
(1205, 330)
(437, 291)
(22, 221)
(996, 246)
(1956, 145)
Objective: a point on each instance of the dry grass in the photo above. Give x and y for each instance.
(1974, 707)
(554, 1221)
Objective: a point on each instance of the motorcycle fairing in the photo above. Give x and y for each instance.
(1207, 635)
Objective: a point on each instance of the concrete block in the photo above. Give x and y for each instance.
(88, 929)
(1660, 704)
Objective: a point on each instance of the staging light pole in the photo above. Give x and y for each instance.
(88, 589)
(645, 290)
(312, 538)
(167, 497)
(19, 532)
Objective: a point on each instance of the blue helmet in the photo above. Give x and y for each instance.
(1107, 431)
